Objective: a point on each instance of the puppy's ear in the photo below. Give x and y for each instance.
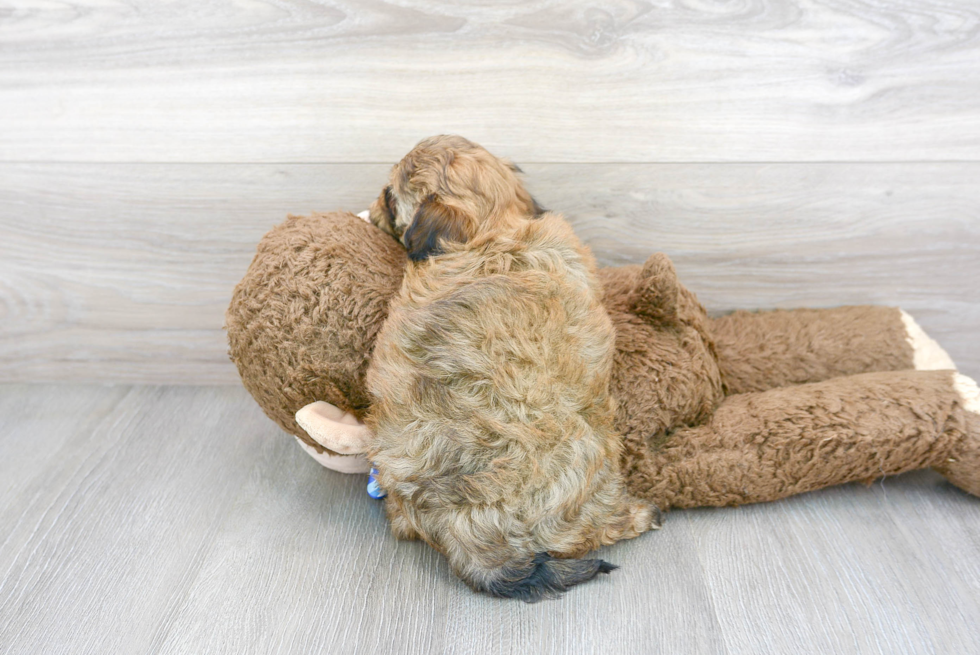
(433, 223)
(537, 209)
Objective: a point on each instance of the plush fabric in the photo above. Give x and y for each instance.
(302, 322)
(776, 349)
(745, 408)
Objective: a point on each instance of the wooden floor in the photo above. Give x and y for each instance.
(178, 520)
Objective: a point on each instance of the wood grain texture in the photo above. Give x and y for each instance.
(838, 571)
(34, 429)
(342, 81)
(180, 520)
(657, 602)
(113, 525)
(122, 273)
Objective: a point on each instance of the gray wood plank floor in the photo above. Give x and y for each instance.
(180, 520)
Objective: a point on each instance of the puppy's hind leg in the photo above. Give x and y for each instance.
(632, 518)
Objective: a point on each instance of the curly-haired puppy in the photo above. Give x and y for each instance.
(492, 416)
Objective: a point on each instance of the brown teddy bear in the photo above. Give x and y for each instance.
(745, 408)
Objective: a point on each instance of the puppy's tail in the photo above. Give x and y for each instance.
(539, 578)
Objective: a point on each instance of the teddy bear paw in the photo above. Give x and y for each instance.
(333, 428)
(357, 464)
(969, 391)
(927, 355)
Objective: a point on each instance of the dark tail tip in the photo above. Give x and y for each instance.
(544, 577)
(606, 567)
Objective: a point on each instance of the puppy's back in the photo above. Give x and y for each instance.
(493, 421)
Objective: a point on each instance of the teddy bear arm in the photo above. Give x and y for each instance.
(355, 464)
(764, 350)
(337, 431)
(768, 445)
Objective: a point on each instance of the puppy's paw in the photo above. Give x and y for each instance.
(646, 516)
(631, 518)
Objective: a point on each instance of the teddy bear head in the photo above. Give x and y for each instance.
(302, 322)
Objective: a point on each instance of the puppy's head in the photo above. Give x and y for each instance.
(449, 189)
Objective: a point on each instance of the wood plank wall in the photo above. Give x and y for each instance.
(783, 152)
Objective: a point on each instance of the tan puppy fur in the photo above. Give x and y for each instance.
(492, 413)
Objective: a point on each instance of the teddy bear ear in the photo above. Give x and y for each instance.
(657, 291)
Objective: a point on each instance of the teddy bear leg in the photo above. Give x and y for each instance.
(766, 350)
(962, 466)
(768, 445)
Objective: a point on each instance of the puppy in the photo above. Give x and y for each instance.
(491, 410)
